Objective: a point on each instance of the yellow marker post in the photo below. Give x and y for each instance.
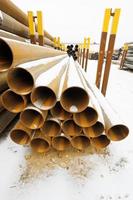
(125, 50)
(55, 42)
(106, 20)
(40, 28)
(31, 27)
(115, 21)
(84, 48)
(58, 42)
(87, 53)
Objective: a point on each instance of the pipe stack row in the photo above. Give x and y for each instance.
(57, 106)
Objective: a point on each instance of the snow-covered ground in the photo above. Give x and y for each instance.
(105, 175)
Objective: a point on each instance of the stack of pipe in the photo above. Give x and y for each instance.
(14, 22)
(13, 53)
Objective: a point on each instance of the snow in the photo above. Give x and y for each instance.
(89, 175)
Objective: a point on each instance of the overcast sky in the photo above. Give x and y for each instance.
(73, 20)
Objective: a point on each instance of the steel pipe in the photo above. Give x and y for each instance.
(5, 118)
(45, 93)
(100, 142)
(70, 128)
(32, 117)
(114, 127)
(11, 9)
(61, 143)
(58, 112)
(51, 127)
(86, 118)
(13, 102)
(80, 142)
(74, 97)
(3, 80)
(1, 106)
(15, 52)
(95, 130)
(22, 78)
(21, 134)
(40, 143)
(12, 36)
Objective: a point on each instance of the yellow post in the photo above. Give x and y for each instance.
(88, 43)
(115, 21)
(40, 28)
(125, 47)
(85, 43)
(31, 27)
(55, 42)
(58, 42)
(106, 20)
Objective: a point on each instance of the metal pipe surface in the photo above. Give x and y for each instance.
(58, 112)
(13, 102)
(3, 80)
(114, 127)
(21, 134)
(74, 97)
(70, 128)
(12, 36)
(80, 142)
(15, 52)
(95, 130)
(40, 143)
(45, 93)
(61, 143)
(100, 142)
(21, 79)
(32, 117)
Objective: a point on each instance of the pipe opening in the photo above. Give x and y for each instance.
(74, 99)
(61, 143)
(43, 98)
(51, 128)
(58, 112)
(118, 132)
(80, 142)
(86, 118)
(20, 137)
(32, 119)
(100, 142)
(20, 81)
(70, 128)
(40, 145)
(12, 101)
(95, 130)
(6, 56)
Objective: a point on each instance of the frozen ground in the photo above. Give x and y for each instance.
(105, 175)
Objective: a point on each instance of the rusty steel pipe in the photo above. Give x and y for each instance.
(11, 9)
(15, 52)
(1, 106)
(114, 127)
(13, 102)
(70, 128)
(95, 130)
(74, 97)
(39, 142)
(13, 36)
(5, 118)
(80, 142)
(21, 134)
(86, 118)
(45, 93)
(58, 112)
(51, 127)
(32, 117)
(3, 80)
(61, 142)
(21, 79)
(100, 142)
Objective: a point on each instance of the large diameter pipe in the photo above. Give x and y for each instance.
(51, 127)
(1, 106)
(11, 9)
(61, 142)
(114, 127)
(80, 142)
(58, 112)
(3, 80)
(15, 52)
(12, 36)
(100, 142)
(39, 142)
(32, 117)
(21, 79)
(21, 134)
(74, 97)
(5, 118)
(13, 102)
(70, 128)
(45, 93)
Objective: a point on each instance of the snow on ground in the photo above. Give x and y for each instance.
(90, 175)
